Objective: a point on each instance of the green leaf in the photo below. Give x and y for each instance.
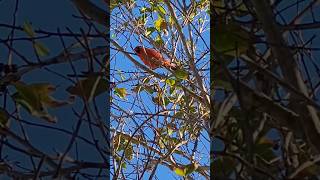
(190, 168)
(27, 27)
(85, 87)
(171, 82)
(124, 165)
(41, 49)
(121, 92)
(172, 89)
(159, 41)
(143, 9)
(170, 131)
(149, 89)
(179, 114)
(208, 11)
(161, 10)
(35, 98)
(128, 153)
(265, 148)
(181, 74)
(166, 101)
(192, 15)
(142, 19)
(150, 30)
(171, 21)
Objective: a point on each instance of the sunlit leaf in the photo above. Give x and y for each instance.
(161, 10)
(181, 74)
(128, 152)
(171, 82)
(171, 21)
(143, 9)
(165, 101)
(170, 131)
(150, 30)
(172, 89)
(160, 24)
(190, 168)
(142, 19)
(180, 172)
(159, 41)
(121, 92)
(124, 165)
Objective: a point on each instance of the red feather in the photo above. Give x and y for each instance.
(153, 58)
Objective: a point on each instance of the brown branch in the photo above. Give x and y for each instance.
(309, 118)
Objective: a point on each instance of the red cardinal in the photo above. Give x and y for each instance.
(153, 58)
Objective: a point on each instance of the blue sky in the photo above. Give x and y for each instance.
(50, 15)
(119, 62)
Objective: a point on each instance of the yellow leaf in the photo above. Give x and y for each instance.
(179, 171)
(161, 10)
(121, 92)
(171, 82)
(160, 24)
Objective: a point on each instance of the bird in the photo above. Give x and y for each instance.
(153, 59)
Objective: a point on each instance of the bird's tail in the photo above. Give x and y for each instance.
(170, 65)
